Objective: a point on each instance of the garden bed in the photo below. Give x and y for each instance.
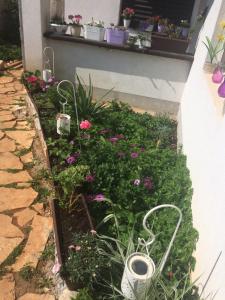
(119, 165)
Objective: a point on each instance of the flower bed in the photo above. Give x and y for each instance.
(123, 164)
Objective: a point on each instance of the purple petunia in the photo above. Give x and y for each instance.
(71, 160)
(134, 155)
(148, 184)
(113, 139)
(99, 198)
(89, 178)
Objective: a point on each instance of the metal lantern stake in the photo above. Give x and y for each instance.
(139, 267)
(48, 72)
(63, 120)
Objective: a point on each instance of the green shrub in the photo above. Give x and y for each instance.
(85, 265)
(10, 52)
(84, 294)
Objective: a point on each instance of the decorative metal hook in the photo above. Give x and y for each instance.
(66, 101)
(146, 244)
(47, 61)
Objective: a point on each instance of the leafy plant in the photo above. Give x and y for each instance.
(84, 294)
(84, 264)
(27, 272)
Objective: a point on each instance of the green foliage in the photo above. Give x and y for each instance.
(84, 294)
(10, 52)
(85, 265)
(27, 272)
(48, 253)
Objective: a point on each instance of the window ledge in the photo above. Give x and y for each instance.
(148, 51)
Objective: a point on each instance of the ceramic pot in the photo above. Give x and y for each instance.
(75, 30)
(126, 23)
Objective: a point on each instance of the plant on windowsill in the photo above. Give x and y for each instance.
(127, 15)
(74, 25)
(58, 24)
(162, 25)
(94, 31)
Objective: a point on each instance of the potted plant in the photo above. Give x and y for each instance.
(131, 41)
(58, 24)
(94, 31)
(150, 23)
(184, 28)
(74, 25)
(127, 15)
(140, 40)
(162, 24)
(116, 35)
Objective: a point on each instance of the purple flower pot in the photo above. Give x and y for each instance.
(221, 90)
(217, 76)
(116, 36)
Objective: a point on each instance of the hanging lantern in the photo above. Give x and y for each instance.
(63, 120)
(48, 71)
(139, 267)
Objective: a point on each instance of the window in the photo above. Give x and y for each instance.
(175, 10)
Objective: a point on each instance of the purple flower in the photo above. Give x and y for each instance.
(134, 155)
(99, 198)
(71, 160)
(148, 184)
(90, 178)
(120, 136)
(113, 139)
(137, 182)
(70, 17)
(121, 154)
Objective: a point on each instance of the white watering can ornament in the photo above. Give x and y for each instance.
(48, 72)
(139, 267)
(63, 120)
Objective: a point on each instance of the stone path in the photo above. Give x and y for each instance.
(17, 197)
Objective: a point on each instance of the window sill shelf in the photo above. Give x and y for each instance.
(148, 51)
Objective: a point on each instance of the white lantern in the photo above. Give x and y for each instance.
(138, 272)
(63, 123)
(48, 71)
(139, 267)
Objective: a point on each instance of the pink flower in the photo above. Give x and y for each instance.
(77, 248)
(137, 182)
(85, 124)
(71, 160)
(99, 198)
(93, 232)
(134, 155)
(32, 79)
(113, 139)
(71, 247)
(89, 178)
(70, 17)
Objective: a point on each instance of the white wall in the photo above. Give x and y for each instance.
(34, 20)
(203, 134)
(130, 73)
(104, 10)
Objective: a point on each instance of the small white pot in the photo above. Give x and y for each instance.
(46, 74)
(94, 33)
(126, 23)
(140, 44)
(63, 123)
(139, 269)
(59, 28)
(147, 43)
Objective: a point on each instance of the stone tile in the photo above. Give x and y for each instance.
(6, 145)
(7, 245)
(27, 158)
(31, 296)
(42, 226)
(7, 229)
(24, 138)
(6, 79)
(16, 73)
(7, 90)
(7, 287)
(5, 106)
(1, 136)
(18, 86)
(10, 161)
(7, 125)
(16, 198)
(39, 207)
(24, 216)
(8, 117)
(5, 112)
(8, 178)
(23, 125)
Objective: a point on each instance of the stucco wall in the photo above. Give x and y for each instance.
(104, 10)
(128, 73)
(203, 137)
